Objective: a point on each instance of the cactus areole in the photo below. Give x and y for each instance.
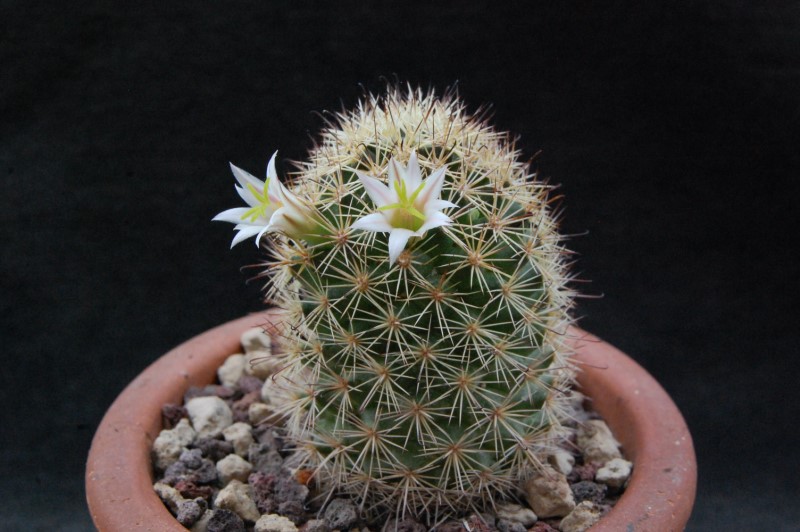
(423, 287)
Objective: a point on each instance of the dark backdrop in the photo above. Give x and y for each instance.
(672, 130)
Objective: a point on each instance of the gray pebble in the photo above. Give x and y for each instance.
(225, 521)
(341, 514)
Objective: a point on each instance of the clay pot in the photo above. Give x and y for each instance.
(642, 417)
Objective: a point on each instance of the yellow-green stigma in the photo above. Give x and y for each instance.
(407, 216)
(259, 210)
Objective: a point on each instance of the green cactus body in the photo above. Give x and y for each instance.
(430, 385)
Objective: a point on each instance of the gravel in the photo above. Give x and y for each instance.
(222, 464)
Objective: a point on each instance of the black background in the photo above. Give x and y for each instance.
(673, 131)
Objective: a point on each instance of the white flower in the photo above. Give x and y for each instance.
(407, 207)
(271, 207)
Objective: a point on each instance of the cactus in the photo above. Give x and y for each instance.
(424, 363)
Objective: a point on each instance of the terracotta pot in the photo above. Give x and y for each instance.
(641, 415)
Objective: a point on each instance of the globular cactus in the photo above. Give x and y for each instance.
(426, 301)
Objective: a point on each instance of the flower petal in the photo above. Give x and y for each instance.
(233, 216)
(271, 172)
(376, 223)
(413, 176)
(245, 177)
(245, 233)
(438, 205)
(432, 220)
(247, 196)
(377, 191)
(398, 239)
(432, 188)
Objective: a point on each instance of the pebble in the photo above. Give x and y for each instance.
(541, 526)
(171, 497)
(315, 525)
(231, 371)
(581, 518)
(274, 523)
(586, 490)
(170, 443)
(258, 413)
(210, 415)
(201, 525)
(224, 520)
(597, 442)
(258, 353)
(480, 523)
(510, 526)
(516, 513)
(233, 467)
(404, 525)
(193, 467)
(548, 493)
(240, 435)
(241, 407)
(563, 461)
(265, 458)
(189, 512)
(615, 473)
(341, 514)
(250, 383)
(583, 472)
(236, 498)
(213, 448)
(190, 490)
(171, 414)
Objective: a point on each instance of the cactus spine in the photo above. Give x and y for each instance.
(430, 385)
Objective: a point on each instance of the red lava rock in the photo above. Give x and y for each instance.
(315, 525)
(250, 383)
(541, 526)
(451, 526)
(171, 414)
(190, 490)
(405, 525)
(279, 492)
(478, 523)
(582, 472)
(241, 407)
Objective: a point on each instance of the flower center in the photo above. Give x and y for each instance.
(264, 203)
(406, 215)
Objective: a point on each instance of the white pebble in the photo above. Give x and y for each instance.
(615, 473)
(231, 371)
(233, 467)
(274, 523)
(258, 354)
(170, 443)
(201, 525)
(236, 498)
(241, 436)
(597, 442)
(581, 518)
(516, 514)
(563, 461)
(548, 493)
(169, 495)
(209, 415)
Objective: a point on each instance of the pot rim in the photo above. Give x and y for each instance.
(659, 496)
